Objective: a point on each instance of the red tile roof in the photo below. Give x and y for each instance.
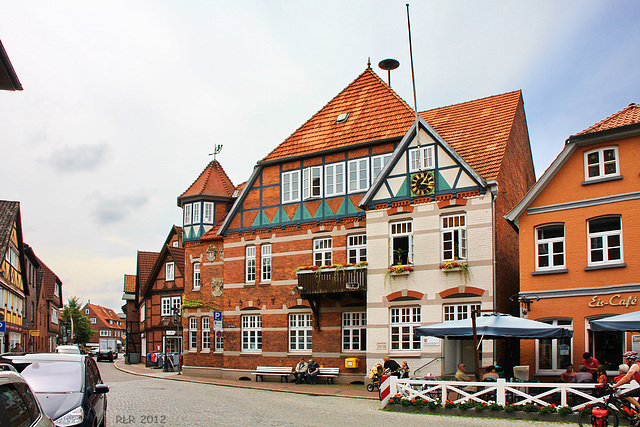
(213, 181)
(130, 283)
(627, 116)
(105, 314)
(146, 261)
(375, 112)
(477, 130)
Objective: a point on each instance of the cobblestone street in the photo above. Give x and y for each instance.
(140, 400)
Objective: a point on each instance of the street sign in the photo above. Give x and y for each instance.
(217, 315)
(170, 332)
(219, 334)
(217, 325)
(3, 326)
(34, 333)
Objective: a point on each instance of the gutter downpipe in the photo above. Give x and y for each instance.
(493, 187)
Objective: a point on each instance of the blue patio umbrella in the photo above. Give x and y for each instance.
(621, 322)
(494, 326)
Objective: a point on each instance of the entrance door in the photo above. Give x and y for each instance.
(459, 351)
(607, 347)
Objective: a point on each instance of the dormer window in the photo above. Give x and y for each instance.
(187, 214)
(196, 213)
(208, 213)
(342, 118)
(601, 163)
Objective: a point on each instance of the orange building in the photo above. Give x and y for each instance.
(580, 242)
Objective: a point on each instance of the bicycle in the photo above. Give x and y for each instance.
(605, 413)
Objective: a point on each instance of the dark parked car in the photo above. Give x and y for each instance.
(68, 386)
(18, 405)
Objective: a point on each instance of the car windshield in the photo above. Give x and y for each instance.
(54, 377)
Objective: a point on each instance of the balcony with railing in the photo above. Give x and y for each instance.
(327, 280)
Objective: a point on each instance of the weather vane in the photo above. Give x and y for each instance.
(216, 150)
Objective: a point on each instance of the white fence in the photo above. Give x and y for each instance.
(576, 395)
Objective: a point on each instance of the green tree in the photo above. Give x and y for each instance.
(81, 323)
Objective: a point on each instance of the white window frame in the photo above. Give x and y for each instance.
(195, 212)
(402, 324)
(104, 333)
(548, 248)
(378, 163)
(290, 186)
(170, 272)
(600, 164)
(186, 209)
(165, 306)
(312, 182)
(453, 237)
(93, 320)
(358, 174)
(193, 333)
(354, 331)
(196, 276)
(56, 289)
(143, 312)
(176, 303)
(334, 179)
(250, 264)
(421, 158)
(251, 332)
(607, 244)
(401, 230)
(206, 333)
(219, 341)
(265, 263)
(300, 332)
(453, 312)
(54, 315)
(322, 251)
(207, 215)
(555, 368)
(356, 248)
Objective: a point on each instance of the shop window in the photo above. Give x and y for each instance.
(553, 355)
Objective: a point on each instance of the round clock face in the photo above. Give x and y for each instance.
(422, 183)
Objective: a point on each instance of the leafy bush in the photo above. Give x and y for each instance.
(493, 406)
(481, 406)
(551, 409)
(449, 404)
(466, 405)
(565, 410)
(530, 407)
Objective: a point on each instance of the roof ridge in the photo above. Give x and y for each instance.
(351, 96)
(601, 124)
(484, 98)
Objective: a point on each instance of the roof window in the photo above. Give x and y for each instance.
(342, 118)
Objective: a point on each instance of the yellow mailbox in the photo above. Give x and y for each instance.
(351, 362)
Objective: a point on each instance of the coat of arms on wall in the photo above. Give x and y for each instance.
(216, 287)
(212, 251)
(221, 252)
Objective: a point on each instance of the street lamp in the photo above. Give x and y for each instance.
(165, 323)
(176, 321)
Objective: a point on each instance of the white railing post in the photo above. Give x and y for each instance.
(500, 391)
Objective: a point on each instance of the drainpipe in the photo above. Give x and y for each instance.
(493, 187)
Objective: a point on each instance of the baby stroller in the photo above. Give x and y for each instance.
(375, 374)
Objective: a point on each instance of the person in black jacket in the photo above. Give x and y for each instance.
(391, 367)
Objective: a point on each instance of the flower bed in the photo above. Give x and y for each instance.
(530, 411)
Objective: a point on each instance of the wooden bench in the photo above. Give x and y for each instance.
(281, 371)
(328, 373)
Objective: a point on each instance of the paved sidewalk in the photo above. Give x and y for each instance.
(337, 390)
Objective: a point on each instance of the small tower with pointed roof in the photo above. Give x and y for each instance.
(206, 201)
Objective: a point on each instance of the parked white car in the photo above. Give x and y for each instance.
(68, 349)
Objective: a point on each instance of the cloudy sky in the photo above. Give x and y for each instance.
(124, 100)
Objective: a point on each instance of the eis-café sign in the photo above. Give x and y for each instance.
(615, 301)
